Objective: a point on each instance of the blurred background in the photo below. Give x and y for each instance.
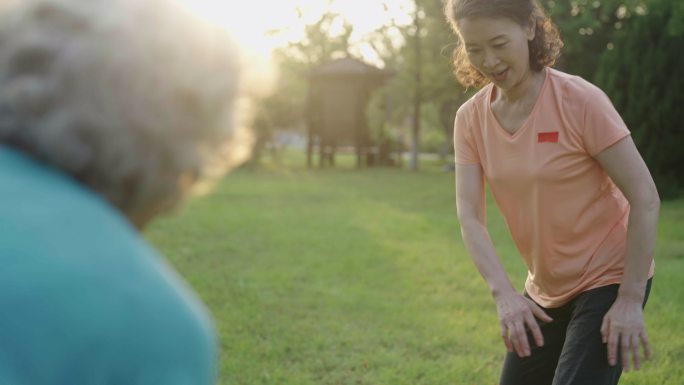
(333, 256)
(372, 77)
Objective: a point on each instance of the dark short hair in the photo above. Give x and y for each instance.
(544, 48)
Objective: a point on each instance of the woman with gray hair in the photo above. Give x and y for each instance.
(110, 111)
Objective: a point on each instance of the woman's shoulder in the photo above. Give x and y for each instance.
(573, 87)
(476, 103)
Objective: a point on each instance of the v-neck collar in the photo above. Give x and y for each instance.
(523, 127)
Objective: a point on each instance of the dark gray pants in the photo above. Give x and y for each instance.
(573, 353)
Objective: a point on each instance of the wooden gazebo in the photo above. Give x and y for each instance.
(339, 92)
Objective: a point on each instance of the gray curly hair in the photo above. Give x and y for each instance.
(133, 98)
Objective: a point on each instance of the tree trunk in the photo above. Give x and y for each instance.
(418, 97)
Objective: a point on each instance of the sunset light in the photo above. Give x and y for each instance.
(319, 192)
(261, 26)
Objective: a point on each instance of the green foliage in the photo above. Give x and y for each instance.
(587, 28)
(436, 88)
(643, 75)
(361, 278)
(320, 44)
(282, 108)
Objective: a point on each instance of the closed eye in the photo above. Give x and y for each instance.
(500, 45)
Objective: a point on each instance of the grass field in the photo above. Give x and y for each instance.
(360, 277)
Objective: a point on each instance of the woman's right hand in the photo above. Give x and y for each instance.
(516, 314)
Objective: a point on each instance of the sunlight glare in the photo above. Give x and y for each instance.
(249, 23)
(264, 25)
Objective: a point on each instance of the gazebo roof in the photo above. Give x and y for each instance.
(349, 67)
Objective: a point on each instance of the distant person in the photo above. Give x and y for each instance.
(576, 195)
(110, 110)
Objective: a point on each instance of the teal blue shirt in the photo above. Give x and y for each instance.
(83, 298)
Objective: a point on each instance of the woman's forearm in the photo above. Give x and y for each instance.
(629, 172)
(641, 236)
(482, 251)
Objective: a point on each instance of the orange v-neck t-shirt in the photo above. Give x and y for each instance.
(566, 216)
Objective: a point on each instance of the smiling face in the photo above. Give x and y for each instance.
(498, 48)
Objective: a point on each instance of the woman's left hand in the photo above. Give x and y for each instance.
(623, 327)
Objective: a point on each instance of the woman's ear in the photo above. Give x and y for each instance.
(531, 29)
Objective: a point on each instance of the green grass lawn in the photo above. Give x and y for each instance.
(360, 277)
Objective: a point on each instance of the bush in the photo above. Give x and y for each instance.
(643, 76)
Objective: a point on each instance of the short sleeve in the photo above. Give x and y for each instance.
(602, 126)
(465, 150)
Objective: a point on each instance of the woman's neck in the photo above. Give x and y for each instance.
(528, 88)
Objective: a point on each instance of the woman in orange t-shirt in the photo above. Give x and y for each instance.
(577, 197)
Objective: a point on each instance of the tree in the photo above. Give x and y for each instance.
(588, 28)
(643, 76)
(423, 90)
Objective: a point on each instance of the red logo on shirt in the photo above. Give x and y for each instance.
(547, 137)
